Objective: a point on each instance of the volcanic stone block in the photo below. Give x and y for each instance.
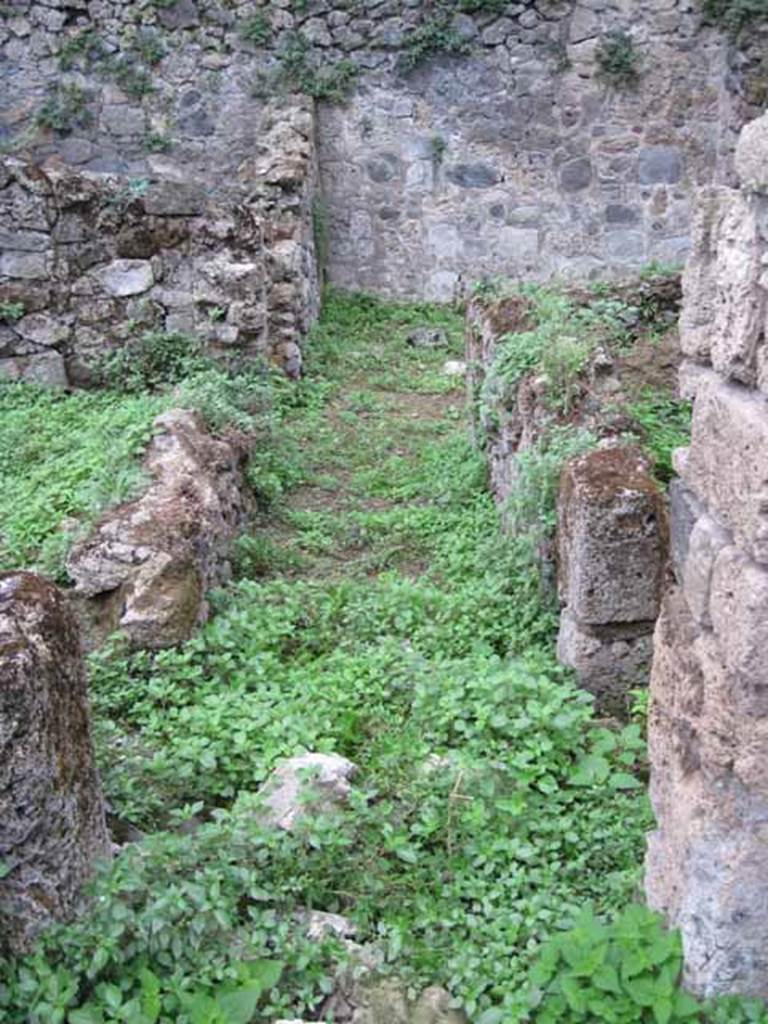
(52, 827)
(609, 660)
(612, 538)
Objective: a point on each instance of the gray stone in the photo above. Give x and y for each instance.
(727, 464)
(174, 199)
(659, 165)
(576, 175)
(28, 266)
(309, 784)
(25, 241)
(472, 175)
(684, 510)
(52, 825)
(427, 337)
(44, 368)
(126, 277)
(707, 540)
(179, 14)
(751, 157)
(609, 661)
(43, 329)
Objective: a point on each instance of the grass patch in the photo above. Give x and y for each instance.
(65, 457)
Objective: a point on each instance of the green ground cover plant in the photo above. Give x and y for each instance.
(380, 614)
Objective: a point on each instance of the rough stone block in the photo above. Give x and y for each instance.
(126, 277)
(612, 538)
(741, 300)
(26, 265)
(609, 661)
(174, 199)
(751, 158)
(46, 368)
(699, 278)
(727, 463)
(52, 826)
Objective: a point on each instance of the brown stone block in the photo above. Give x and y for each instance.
(612, 538)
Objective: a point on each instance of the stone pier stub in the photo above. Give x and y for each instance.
(612, 544)
(52, 827)
(707, 862)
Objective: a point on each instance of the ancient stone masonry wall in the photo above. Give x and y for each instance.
(707, 863)
(474, 142)
(87, 260)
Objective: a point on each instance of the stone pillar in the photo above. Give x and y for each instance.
(612, 549)
(52, 827)
(707, 862)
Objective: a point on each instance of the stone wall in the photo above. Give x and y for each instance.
(91, 259)
(471, 143)
(706, 866)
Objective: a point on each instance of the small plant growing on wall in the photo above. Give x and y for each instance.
(256, 29)
(618, 60)
(65, 109)
(438, 146)
(10, 311)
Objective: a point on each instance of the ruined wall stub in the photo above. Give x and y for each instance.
(52, 827)
(612, 551)
(707, 863)
(89, 260)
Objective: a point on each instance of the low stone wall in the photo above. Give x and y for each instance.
(708, 729)
(87, 260)
(148, 565)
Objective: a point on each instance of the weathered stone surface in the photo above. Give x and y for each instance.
(147, 566)
(751, 158)
(608, 660)
(46, 368)
(95, 253)
(684, 510)
(302, 785)
(612, 538)
(727, 463)
(707, 540)
(52, 826)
